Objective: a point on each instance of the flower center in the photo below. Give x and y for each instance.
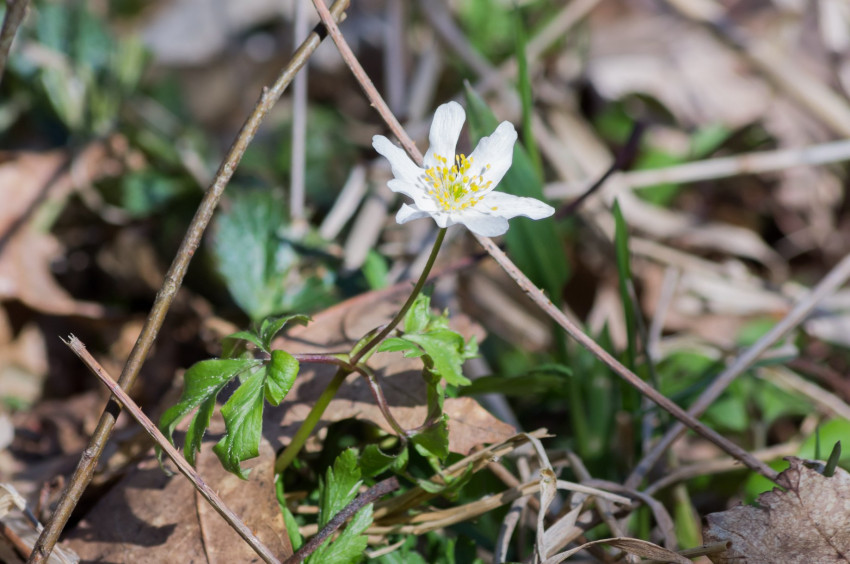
(453, 187)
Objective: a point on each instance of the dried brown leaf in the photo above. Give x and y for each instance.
(149, 517)
(27, 181)
(808, 522)
(642, 548)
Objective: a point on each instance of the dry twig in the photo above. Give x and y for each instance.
(182, 465)
(15, 12)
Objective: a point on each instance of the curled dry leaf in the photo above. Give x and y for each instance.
(809, 522)
(149, 517)
(335, 330)
(27, 182)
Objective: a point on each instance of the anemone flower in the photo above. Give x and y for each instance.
(456, 189)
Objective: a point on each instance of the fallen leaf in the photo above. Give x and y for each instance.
(149, 517)
(335, 330)
(809, 522)
(29, 181)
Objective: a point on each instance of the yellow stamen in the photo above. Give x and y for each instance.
(453, 187)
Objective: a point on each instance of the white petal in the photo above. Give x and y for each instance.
(496, 150)
(508, 206)
(417, 193)
(445, 130)
(403, 168)
(482, 224)
(409, 213)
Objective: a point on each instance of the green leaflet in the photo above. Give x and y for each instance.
(340, 487)
(243, 417)
(203, 381)
(243, 413)
(428, 335)
(254, 257)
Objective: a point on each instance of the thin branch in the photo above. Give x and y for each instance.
(535, 293)
(539, 298)
(374, 493)
(182, 465)
(622, 161)
(15, 12)
(366, 82)
(299, 124)
(173, 279)
(836, 277)
(726, 167)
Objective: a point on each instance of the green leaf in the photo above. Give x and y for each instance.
(349, 546)
(375, 270)
(419, 315)
(202, 383)
(375, 461)
(396, 344)
(621, 242)
(447, 350)
(264, 271)
(524, 87)
(340, 486)
(243, 417)
(534, 383)
(452, 485)
(272, 326)
(832, 461)
(247, 336)
(405, 554)
(198, 427)
(280, 375)
(289, 520)
(434, 440)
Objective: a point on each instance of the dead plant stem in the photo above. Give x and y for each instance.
(182, 465)
(173, 279)
(832, 281)
(15, 12)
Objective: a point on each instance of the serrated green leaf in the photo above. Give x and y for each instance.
(255, 258)
(397, 344)
(280, 375)
(419, 314)
(243, 417)
(349, 546)
(202, 383)
(198, 427)
(340, 486)
(271, 326)
(247, 336)
(447, 350)
(375, 461)
(434, 440)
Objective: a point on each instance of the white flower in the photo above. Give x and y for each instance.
(455, 188)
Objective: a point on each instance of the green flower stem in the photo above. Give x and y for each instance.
(293, 448)
(376, 340)
(357, 354)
